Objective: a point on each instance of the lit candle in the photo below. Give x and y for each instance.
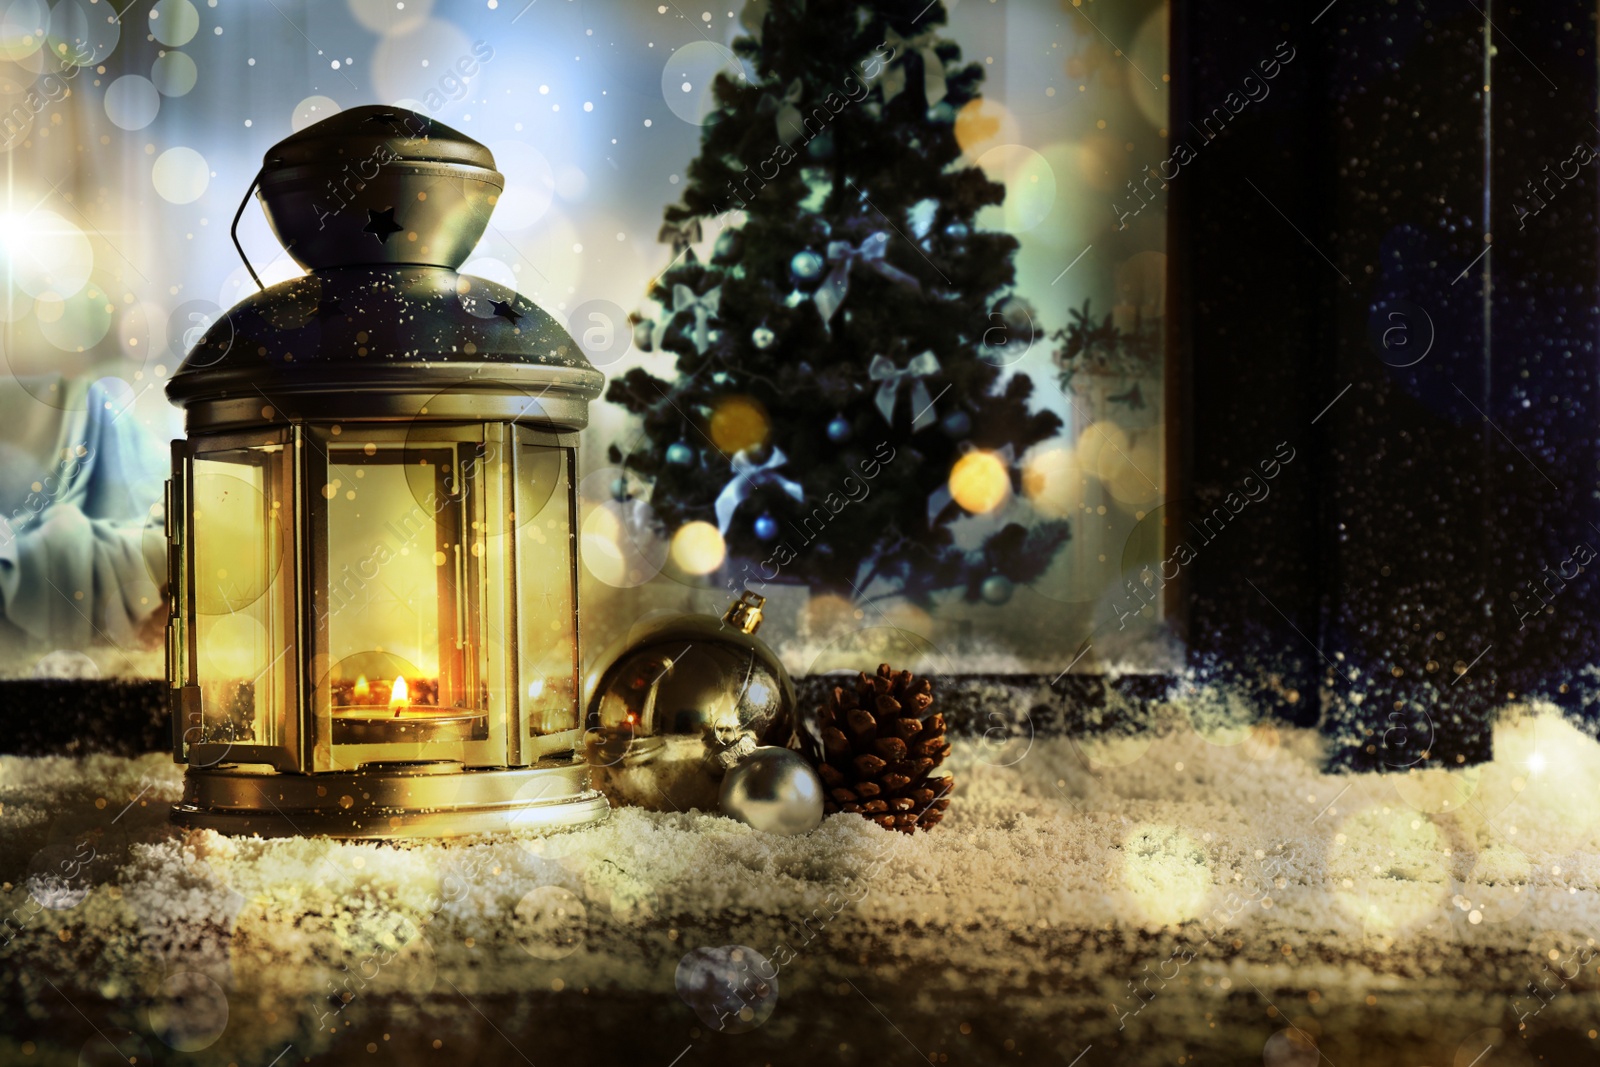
(362, 688)
(397, 695)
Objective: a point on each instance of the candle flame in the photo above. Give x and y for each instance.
(397, 694)
(362, 687)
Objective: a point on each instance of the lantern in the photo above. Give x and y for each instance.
(371, 535)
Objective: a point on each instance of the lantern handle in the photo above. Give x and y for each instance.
(234, 231)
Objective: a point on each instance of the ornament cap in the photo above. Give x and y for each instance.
(745, 613)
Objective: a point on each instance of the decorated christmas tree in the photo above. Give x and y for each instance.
(835, 407)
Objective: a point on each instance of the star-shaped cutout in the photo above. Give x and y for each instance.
(381, 224)
(329, 308)
(507, 311)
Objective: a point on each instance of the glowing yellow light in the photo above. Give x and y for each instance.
(363, 688)
(397, 695)
(1053, 481)
(698, 548)
(739, 423)
(1097, 441)
(983, 123)
(1536, 763)
(979, 482)
(535, 688)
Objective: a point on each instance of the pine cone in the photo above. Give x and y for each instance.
(879, 744)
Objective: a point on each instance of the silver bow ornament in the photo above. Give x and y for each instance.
(940, 498)
(748, 476)
(788, 121)
(681, 234)
(869, 254)
(703, 306)
(890, 377)
(893, 75)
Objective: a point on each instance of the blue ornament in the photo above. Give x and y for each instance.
(996, 589)
(766, 527)
(720, 378)
(839, 430)
(762, 337)
(794, 299)
(680, 454)
(956, 231)
(729, 244)
(806, 266)
(619, 489)
(957, 424)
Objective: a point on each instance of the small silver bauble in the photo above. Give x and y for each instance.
(775, 790)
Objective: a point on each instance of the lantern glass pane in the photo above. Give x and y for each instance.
(243, 595)
(403, 609)
(547, 618)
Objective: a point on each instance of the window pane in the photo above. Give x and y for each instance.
(404, 591)
(547, 619)
(243, 595)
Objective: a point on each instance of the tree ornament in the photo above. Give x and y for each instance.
(774, 790)
(957, 424)
(843, 256)
(762, 337)
(820, 147)
(679, 454)
(730, 243)
(806, 266)
(996, 589)
(839, 430)
(883, 370)
(644, 334)
(956, 231)
(748, 476)
(679, 702)
(702, 306)
(893, 75)
(874, 744)
(786, 116)
(794, 299)
(766, 527)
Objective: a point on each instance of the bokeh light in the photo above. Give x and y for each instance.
(76, 323)
(174, 74)
(174, 22)
(698, 548)
(979, 482)
(739, 423)
(1053, 481)
(181, 175)
(312, 110)
(982, 124)
(23, 24)
(132, 102)
(688, 76)
(1030, 188)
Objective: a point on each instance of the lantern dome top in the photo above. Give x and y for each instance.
(358, 133)
(378, 185)
(368, 337)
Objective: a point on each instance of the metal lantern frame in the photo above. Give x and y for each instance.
(374, 365)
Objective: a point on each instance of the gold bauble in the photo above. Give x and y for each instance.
(677, 702)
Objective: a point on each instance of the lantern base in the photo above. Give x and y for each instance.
(422, 799)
